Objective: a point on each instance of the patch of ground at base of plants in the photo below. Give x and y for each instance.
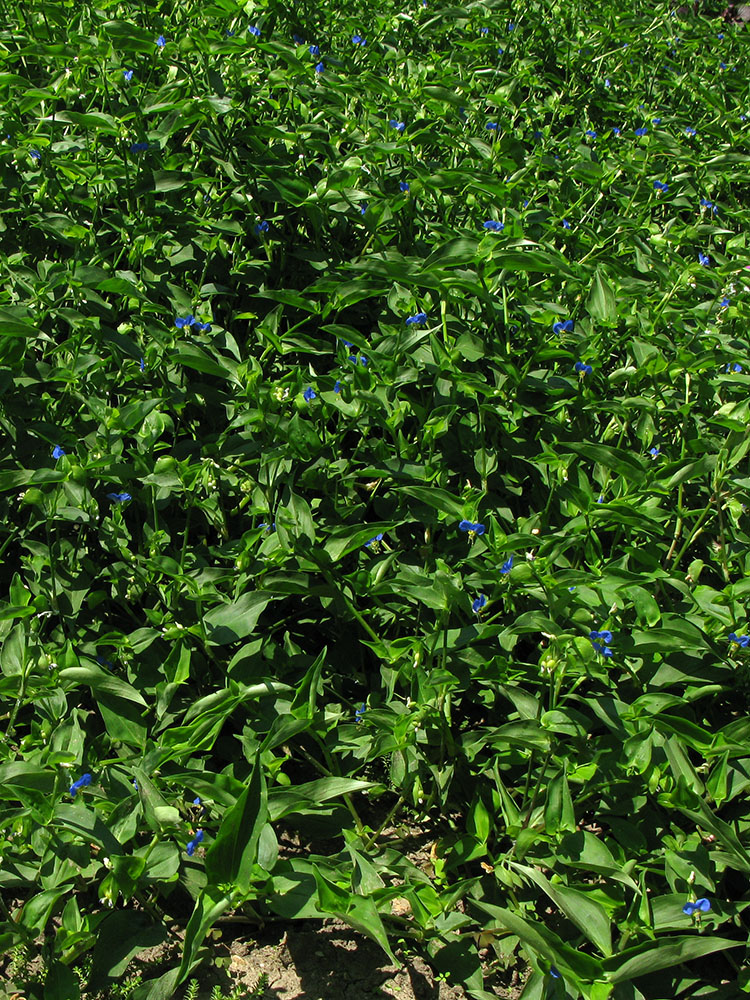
(318, 960)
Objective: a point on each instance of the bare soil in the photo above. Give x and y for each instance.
(323, 960)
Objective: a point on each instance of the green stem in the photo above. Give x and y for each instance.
(693, 534)
(372, 839)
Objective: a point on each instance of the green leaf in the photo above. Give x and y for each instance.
(162, 988)
(585, 851)
(308, 689)
(344, 540)
(621, 462)
(61, 983)
(154, 804)
(13, 479)
(359, 913)
(127, 37)
(209, 906)
(119, 938)
(559, 813)
(652, 956)
(436, 498)
(601, 304)
(587, 914)
(232, 622)
(230, 859)
(575, 965)
(101, 681)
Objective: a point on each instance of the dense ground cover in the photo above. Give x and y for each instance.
(374, 398)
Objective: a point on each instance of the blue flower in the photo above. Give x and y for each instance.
(119, 497)
(192, 844)
(191, 321)
(377, 538)
(703, 259)
(128, 74)
(261, 227)
(254, 31)
(565, 224)
(337, 386)
(358, 40)
(507, 566)
(360, 712)
(104, 663)
(471, 527)
(297, 40)
(35, 154)
(314, 50)
(600, 499)
(658, 186)
(606, 637)
(417, 319)
(656, 121)
(511, 26)
(641, 131)
(591, 133)
(310, 394)
(81, 783)
(57, 452)
(496, 227)
(702, 905)
(725, 302)
(554, 972)
(138, 147)
(720, 35)
(142, 365)
(196, 801)
(478, 603)
(654, 452)
(161, 41)
(733, 368)
(320, 67)
(500, 51)
(722, 65)
(583, 369)
(363, 208)
(615, 131)
(689, 130)
(741, 640)
(403, 185)
(492, 126)
(399, 126)
(607, 84)
(135, 784)
(565, 326)
(525, 202)
(483, 31)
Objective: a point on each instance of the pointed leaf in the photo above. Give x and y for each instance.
(230, 859)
